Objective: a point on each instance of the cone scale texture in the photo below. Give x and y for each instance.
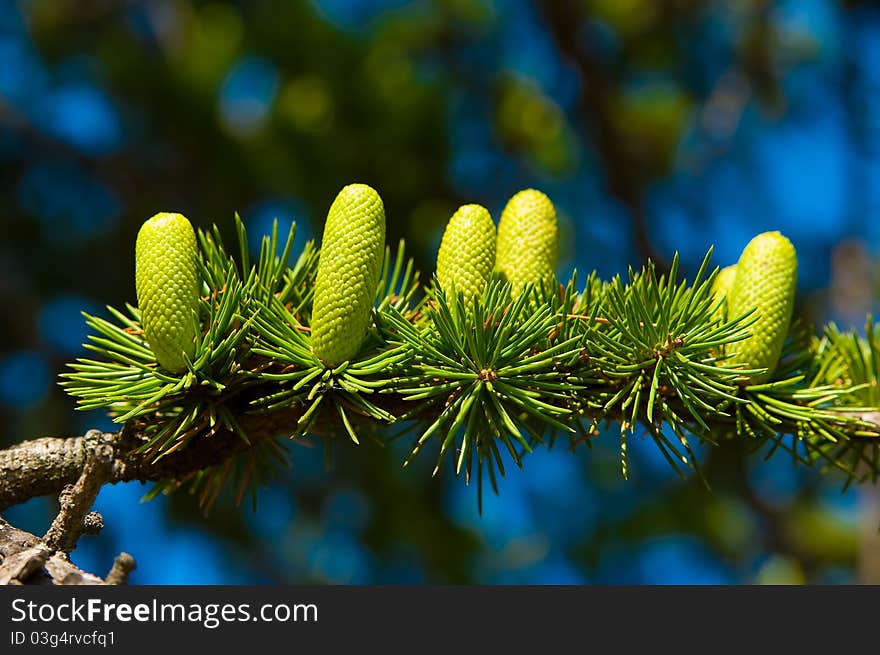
(528, 241)
(348, 273)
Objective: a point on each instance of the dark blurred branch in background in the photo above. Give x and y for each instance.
(853, 287)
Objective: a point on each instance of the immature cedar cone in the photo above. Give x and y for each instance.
(467, 252)
(721, 289)
(348, 273)
(766, 277)
(167, 283)
(528, 240)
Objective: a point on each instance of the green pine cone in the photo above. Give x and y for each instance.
(348, 273)
(467, 252)
(721, 289)
(766, 277)
(167, 284)
(528, 239)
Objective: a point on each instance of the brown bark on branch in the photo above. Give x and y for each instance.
(27, 559)
(123, 565)
(77, 499)
(77, 468)
(46, 466)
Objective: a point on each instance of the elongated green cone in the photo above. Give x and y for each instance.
(721, 289)
(528, 239)
(766, 277)
(467, 251)
(167, 284)
(348, 273)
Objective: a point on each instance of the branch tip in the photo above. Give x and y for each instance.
(123, 565)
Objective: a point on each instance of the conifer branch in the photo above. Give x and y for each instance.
(481, 377)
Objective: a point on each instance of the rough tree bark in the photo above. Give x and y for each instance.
(28, 559)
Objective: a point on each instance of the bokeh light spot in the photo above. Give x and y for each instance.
(78, 208)
(260, 219)
(62, 324)
(247, 95)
